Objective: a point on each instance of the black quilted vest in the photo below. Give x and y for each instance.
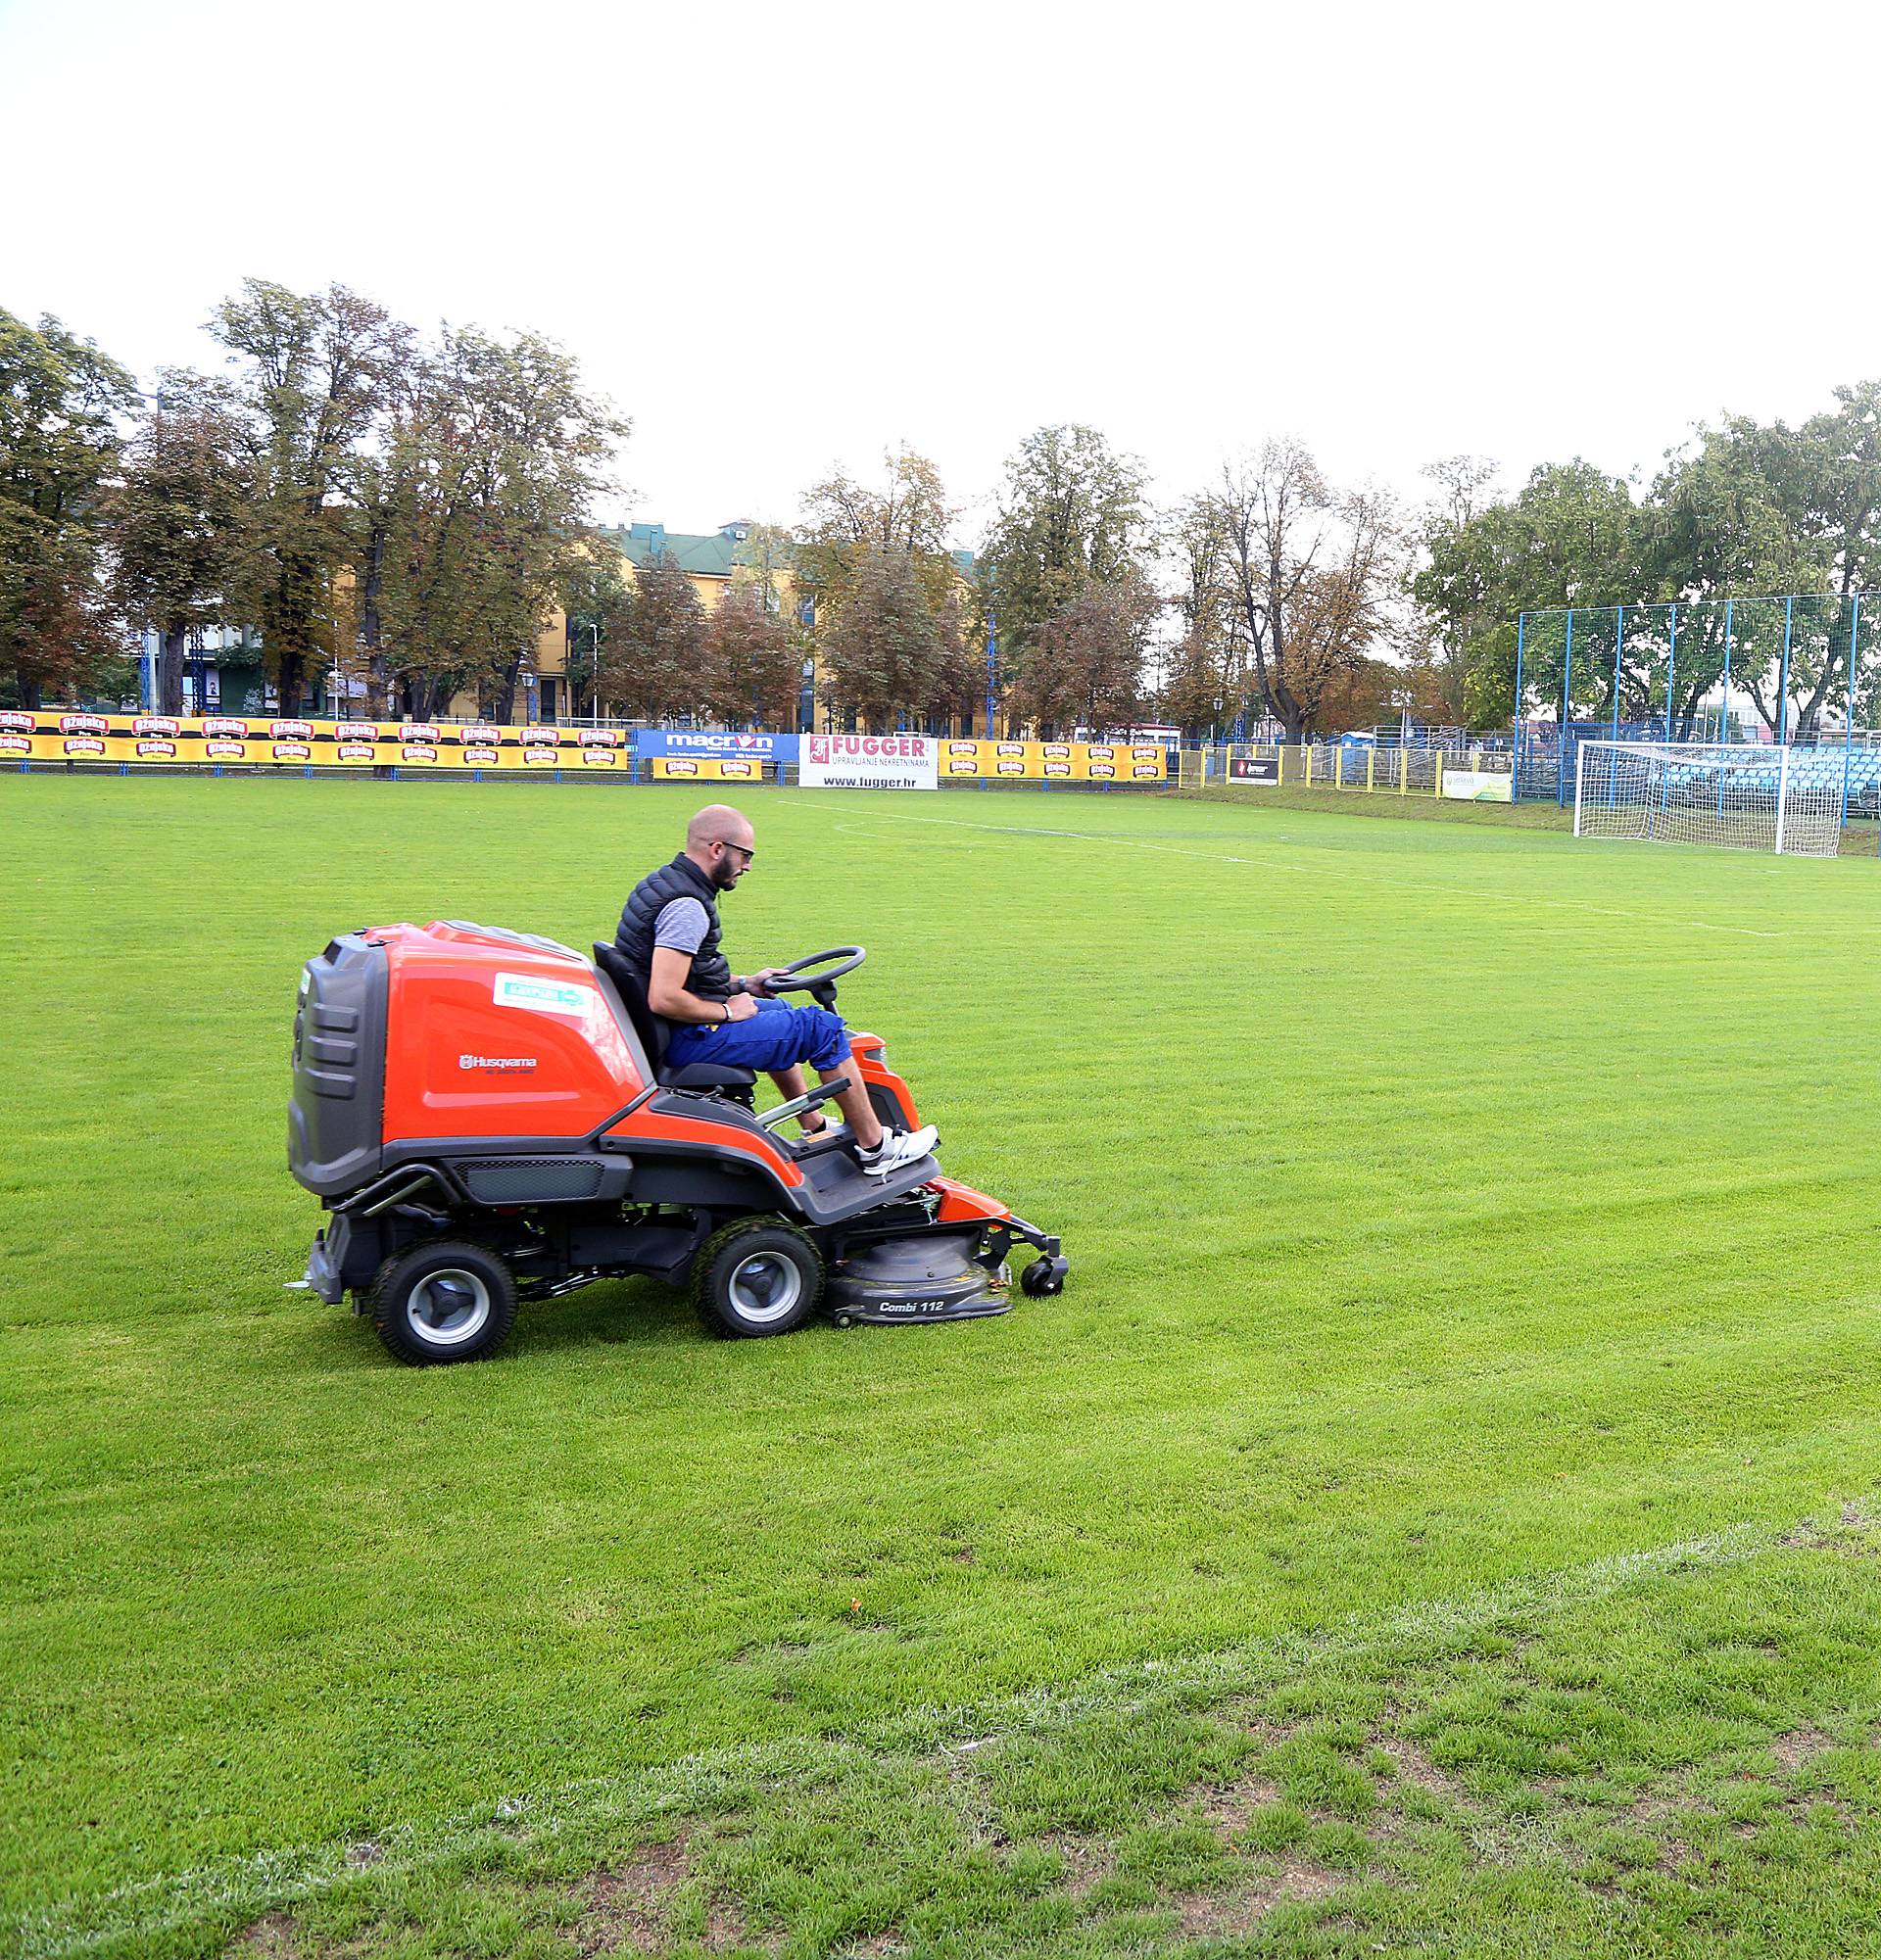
(711, 975)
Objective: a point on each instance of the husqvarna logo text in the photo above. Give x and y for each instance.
(503, 1063)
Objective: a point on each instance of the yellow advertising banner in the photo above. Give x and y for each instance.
(281, 742)
(1054, 761)
(708, 769)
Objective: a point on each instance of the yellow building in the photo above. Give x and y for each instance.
(709, 561)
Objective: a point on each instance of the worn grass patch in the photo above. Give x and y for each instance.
(1455, 1213)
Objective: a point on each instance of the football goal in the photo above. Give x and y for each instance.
(1747, 795)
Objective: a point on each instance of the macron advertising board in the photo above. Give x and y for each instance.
(712, 744)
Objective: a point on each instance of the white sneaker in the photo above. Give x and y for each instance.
(897, 1149)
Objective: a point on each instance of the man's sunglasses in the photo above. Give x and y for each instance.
(745, 850)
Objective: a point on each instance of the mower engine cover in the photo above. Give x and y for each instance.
(498, 1036)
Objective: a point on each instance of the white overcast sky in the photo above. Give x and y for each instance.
(780, 236)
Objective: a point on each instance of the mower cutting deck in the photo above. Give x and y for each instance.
(488, 1118)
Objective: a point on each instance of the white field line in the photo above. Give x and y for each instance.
(1313, 866)
(240, 1888)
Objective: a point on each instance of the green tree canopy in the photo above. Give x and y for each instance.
(661, 672)
(61, 405)
(1073, 514)
(887, 650)
(174, 523)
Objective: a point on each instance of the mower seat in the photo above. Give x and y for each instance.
(655, 1031)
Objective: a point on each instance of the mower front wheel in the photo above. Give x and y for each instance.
(756, 1277)
(1043, 1277)
(444, 1302)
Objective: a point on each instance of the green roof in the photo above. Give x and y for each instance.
(708, 554)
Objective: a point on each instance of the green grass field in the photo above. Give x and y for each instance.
(1442, 1514)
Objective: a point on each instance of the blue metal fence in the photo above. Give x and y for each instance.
(1802, 668)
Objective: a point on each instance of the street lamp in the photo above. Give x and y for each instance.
(594, 627)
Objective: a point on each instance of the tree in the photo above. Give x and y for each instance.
(1088, 669)
(1311, 571)
(885, 649)
(1199, 685)
(1573, 537)
(174, 521)
(60, 401)
(493, 456)
(1755, 509)
(766, 558)
(596, 596)
(843, 519)
(317, 373)
(754, 661)
(663, 668)
(1072, 514)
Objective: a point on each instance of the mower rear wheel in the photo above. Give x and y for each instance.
(756, 1277)
(448, 1301)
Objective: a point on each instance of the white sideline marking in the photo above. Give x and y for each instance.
(245, 1887)
(1275, 861)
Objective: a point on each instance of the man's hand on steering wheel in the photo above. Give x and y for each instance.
(760, 982)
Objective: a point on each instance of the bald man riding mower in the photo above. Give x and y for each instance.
(488, 1118)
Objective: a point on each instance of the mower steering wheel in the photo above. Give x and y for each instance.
(821, 987)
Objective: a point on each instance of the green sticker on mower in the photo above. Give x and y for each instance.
(541, 996)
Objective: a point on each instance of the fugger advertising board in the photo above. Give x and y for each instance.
(868, 762)
(1254, 769)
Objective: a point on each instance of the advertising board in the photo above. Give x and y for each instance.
(707, 768)
(868, 762)
(1477, 785)
(707, 744)
(1254, 769)
(964, 760)
(702, 755)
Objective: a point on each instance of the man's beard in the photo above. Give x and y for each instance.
(722, 876)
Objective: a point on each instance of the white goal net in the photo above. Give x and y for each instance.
(1692, 793)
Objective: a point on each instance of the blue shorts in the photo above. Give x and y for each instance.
(777, 1036)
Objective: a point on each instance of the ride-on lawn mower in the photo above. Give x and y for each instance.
(488, 1118)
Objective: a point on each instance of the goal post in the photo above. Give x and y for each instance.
(1742, 796)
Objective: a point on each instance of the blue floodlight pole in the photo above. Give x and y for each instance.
(993, 644)
(1783, 706)
(1724, 714)
(1515, 754)
(1560, 747)
(1620, 641)
(1671, 668)
(1848, 733)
